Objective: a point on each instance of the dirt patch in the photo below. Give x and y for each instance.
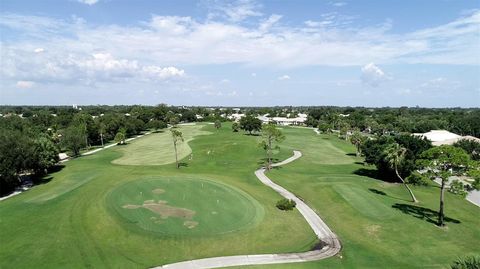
(190, 224)
(373, 230)
(131, 206)
(158, 191)
(166, 211)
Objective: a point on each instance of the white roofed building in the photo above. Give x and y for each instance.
(443, 137)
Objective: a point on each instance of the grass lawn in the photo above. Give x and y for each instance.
(96, 213)
(73, 220)
(183, 206)
(378, 225)
(157, 149)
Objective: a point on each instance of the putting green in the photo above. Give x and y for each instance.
(157, 148)
(181, 206)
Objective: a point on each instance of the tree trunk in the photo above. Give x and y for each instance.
(176, 157)
(101, 138)
(406, 186)
(440, 212)
(269, 154)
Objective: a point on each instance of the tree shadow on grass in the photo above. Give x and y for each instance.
(351, 154)
(373, 173)
(182, 164)
(264, 161)
(379, 192)
(422, 213)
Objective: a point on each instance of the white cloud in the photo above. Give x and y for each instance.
(310, 23)
(39, 50)
(284, 77)
(156, 72)
(234, 11)
(339, 4)
(440, 84)
(268, 23)
(25, 84)
(80, 51)
(254, 74)
(88, 2)
(372, 75)
(97, 67)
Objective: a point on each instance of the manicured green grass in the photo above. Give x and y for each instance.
(157, 148)
(72, 222)
(211, 208)
(69, 222)
(369, 215)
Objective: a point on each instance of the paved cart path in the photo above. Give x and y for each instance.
(331, 245)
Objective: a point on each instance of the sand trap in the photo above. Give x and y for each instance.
(158, 191)
(190, 224)
(131, 206)
(166, 211)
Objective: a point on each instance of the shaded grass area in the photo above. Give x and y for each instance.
(67, 222)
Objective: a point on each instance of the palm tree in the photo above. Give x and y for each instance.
(177, 136)
(394, 155)
(357, 139)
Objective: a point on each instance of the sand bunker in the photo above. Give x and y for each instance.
(190, 224)
(158, 191)
(166, 211)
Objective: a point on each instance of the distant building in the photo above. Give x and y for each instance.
(444, 137)
(299, 120)
(235, 116)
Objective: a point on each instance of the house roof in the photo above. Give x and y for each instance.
(443, 137)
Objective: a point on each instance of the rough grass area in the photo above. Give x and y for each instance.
(181, 206)
(157, 148)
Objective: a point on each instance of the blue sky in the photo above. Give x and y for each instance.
(243, 52)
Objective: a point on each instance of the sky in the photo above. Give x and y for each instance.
(371, 53)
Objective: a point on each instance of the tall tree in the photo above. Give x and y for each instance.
(270, 135)
(250, 124)
(357, 139)
(74, 138)
(174, 120)
(120, 136)
(101, 131)
(442, 163)
(45, 155)
(177, 137)
(235, 127)
(157, 124)
(217, 124)
(394, 155)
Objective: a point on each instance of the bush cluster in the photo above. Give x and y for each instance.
(286, 204)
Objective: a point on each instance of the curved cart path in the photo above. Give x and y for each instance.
(331, 245)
